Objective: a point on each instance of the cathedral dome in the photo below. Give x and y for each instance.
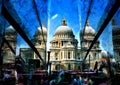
(104, 54)
(10, 30)
(39, 31)
(89, 30)
(39, 35)
(44, 29)
(64, 29)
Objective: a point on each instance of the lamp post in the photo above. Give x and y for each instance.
(49, 65)
(48, 56)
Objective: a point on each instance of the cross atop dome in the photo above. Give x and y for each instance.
(87, 23)
(64, 22)
(88, 29)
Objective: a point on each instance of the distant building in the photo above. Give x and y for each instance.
(39, 41)
(11, 37)
(116, 40)
(87, 35)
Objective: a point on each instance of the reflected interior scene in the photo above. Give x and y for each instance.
(61, 42)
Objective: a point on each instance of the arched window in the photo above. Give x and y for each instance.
(56, 57)
(68, 55)
(95, 57)
(58, 44)
(40, 42)
(78, 54)
(69, 67)
(57, 67)
(62, 43)
(55, 54)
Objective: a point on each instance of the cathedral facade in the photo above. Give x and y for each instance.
(64, 51)
(64, 48)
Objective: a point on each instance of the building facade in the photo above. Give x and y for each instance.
(39, 40)
(87, 35)
(11, 37)
(116, 40)
(64, 52)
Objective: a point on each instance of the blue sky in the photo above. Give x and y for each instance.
(51, 12)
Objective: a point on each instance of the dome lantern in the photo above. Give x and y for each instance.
(64, 29)
(64, 22)
(89, 30)
(87, 24)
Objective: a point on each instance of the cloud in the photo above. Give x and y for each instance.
(53, 17)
